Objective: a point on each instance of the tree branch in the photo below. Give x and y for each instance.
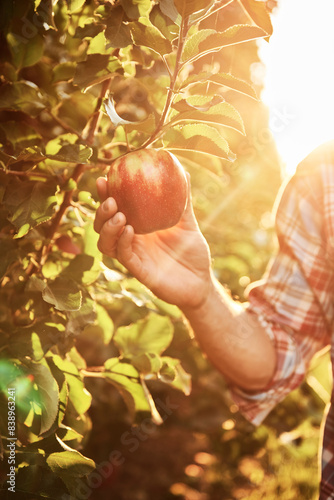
(89, 133)
(171, 89)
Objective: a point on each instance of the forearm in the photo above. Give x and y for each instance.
(233, 340)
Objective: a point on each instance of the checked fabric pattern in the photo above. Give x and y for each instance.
(295, 300)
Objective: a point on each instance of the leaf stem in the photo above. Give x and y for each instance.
(100, 372)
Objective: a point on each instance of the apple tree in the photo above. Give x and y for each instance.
(82, 83)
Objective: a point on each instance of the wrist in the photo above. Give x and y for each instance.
(200, 308)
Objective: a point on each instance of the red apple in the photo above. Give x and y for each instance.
(150, 189)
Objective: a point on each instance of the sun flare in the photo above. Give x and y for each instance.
(299, 77)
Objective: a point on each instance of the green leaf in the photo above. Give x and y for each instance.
(223, 80)
(74, 354)
(62, 389)
(69, 465)
(66, 434)
(26, 51)
(209, 40)
(89, 30)
(98, 45)
(79, 398)
(74, 5)
(126, 379)
(63, 72)
(135, 9)
(102, 328)
(147, 363)
(146, 126)
(163, 23)
(168, 9)
(48, 394)
(117, 31)
(34, 205)
(95, 69)
(82, 269)
(144, 33)
(257, 10)
(198, 137)
(181, 379)
(105, 323)
(73, 153)
(198, 109)
(63, 294)
(37, 349)
(22, 96)
(187, 7)
(29, 157)
(78, 320)
(152, 334)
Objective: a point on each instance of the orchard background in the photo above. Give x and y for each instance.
(113, 397)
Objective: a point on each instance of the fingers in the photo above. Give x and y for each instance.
(124, 247)
(127, 256)
(115, 238)
(106, 211)
(110, 233)
(102, 188)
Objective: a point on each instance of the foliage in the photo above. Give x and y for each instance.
(74, 324)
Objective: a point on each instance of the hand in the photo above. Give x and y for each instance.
(173, 263)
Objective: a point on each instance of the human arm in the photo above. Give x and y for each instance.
(293, 306)
(176, 265)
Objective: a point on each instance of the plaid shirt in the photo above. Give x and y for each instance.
(295, 300)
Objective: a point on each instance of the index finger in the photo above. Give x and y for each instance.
(102, 188)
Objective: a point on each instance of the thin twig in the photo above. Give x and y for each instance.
(28, 173)
(64, 125)
(171, 89)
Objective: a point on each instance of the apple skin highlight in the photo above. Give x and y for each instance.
(150, 189)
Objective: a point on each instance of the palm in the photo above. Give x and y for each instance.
(173, 263)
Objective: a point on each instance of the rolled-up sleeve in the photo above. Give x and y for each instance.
(294, 301)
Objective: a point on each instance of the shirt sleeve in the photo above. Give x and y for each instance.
(294, 301)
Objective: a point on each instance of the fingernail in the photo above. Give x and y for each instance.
(116, 219)
(106, 206)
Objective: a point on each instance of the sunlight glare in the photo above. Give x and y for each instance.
(299, 77)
